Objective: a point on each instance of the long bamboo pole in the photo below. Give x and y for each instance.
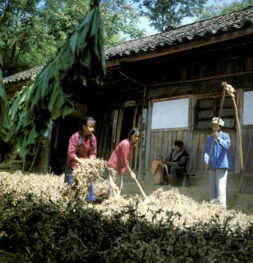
(219, 117)
(231, 93)
(230, 90)
(239, 134)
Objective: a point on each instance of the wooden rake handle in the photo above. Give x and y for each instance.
(139, 186)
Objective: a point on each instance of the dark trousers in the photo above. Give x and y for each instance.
(174, 173)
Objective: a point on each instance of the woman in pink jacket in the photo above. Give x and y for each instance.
(82, 145)
(119, 161)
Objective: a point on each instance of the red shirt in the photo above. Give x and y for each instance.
(83, 151)
(120, 157)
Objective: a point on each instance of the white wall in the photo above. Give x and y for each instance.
(248, 108)
(170, 114)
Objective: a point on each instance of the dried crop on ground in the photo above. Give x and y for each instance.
(44, 220)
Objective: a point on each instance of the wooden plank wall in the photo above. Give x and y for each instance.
(198, 148)
(162, 141)
(247, 143)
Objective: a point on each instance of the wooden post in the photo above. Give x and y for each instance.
(189, 137)
(141, 170)
(121, 112)
(134, 125)
(147, 153)
(114, 128)
(136, 153)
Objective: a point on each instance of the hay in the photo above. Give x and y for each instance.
(44, 220)
(51, 189)
(91, 170)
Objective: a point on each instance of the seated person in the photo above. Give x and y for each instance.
(175, 162)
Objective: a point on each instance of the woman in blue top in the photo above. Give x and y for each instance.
(220, 162)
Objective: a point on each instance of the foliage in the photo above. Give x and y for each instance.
(79, 62)
(32, 30)
(43, 232)
(44, 220)
(4, 120)
(215, 10)
(163, 13)
(21, 28)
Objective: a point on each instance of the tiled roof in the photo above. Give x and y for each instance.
(199, 30)
(25, 75)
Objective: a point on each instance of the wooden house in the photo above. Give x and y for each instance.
(169, 86)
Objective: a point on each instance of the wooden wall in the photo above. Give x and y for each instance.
(247, 145)
(162, 141)
(199, 144)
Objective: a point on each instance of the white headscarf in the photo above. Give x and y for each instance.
(215, 121)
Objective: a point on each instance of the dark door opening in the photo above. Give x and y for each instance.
(59, 143)
(127, 122)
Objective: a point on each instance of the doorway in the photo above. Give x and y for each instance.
(64, 129)
(127, 122)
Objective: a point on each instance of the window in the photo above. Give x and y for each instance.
(206, 109)
(248, 108)
(170, 114)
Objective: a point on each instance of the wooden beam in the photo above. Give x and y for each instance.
(172, 90)
(132, 79)
(121, 112)
(201, 79)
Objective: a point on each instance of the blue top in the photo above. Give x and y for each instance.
(221, 156)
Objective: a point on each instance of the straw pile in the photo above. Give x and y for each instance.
(44, 220)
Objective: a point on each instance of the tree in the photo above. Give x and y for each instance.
(215, 10)
(17, 21)
(33, 30)
(120, 18)
(163, 13)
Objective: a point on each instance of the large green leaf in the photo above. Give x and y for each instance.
(5, 126)
(53, 91)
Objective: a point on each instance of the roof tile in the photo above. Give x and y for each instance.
(198, 30)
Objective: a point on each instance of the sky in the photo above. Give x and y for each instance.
(150, 31)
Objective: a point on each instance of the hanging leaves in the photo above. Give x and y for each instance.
(80, 60)
(5, 126)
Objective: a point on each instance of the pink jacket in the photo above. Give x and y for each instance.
(120, 157)
(82, 151)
